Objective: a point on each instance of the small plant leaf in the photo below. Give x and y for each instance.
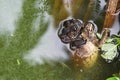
(109, 40)
(109, 51)
(113, 78)
(18, 62)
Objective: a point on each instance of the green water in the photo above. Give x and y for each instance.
(12, 49)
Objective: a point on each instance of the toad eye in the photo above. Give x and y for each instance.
(69, 29)
(93, 26)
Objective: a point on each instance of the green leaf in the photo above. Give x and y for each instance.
(110, 51)
(109, 40)
(113, 78)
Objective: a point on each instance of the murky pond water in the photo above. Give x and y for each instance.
(30, 48)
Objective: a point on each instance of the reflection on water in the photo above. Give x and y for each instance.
(68, 7)
(10, 11)
(48, 49)
(116, 26)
